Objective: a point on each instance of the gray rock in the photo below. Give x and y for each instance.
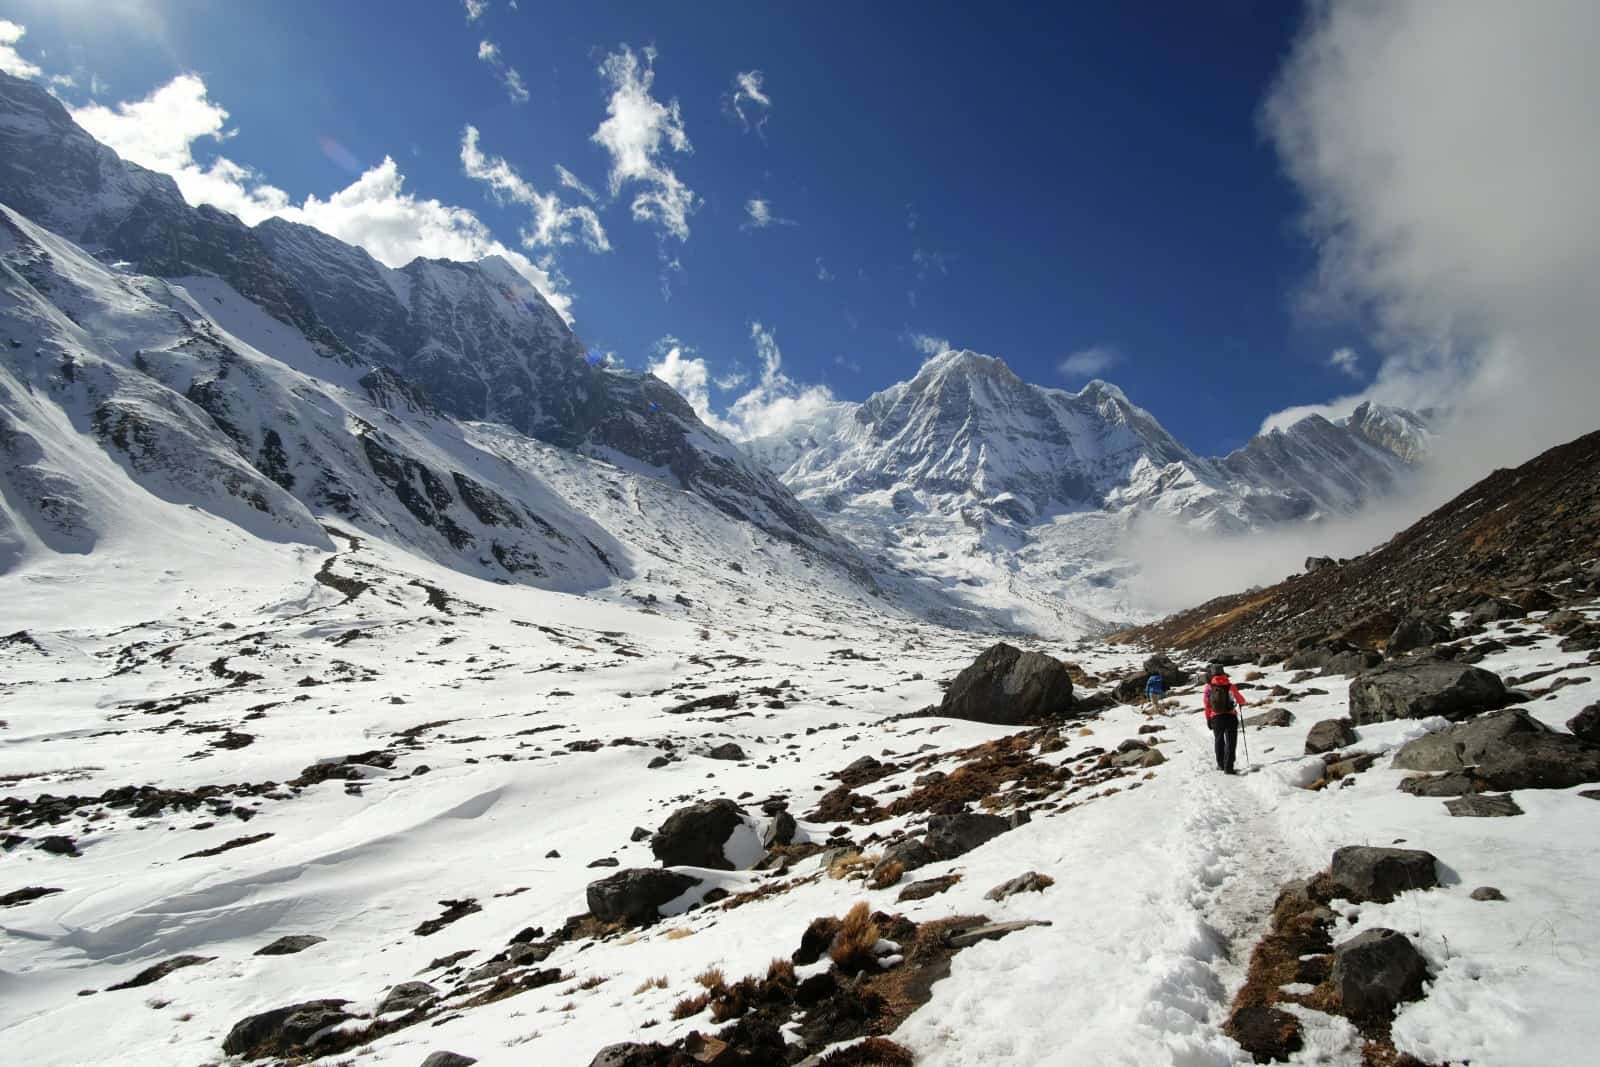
(1272, 717)
(1374, 972)
(636, 895)
(1351, 663)
(1416, 689)
(448, 1059)
(991, 932)
(1330, 735)
(1416, 632)
(1505, 750)
(1380, 874)
(406, 996)
(910, 853)
(781, 831)
(1317, 563)
(640, 834)
(1494, 609)
(926, 888)
(694, 836)
(626, 1054)
(1138, 757)
(1449, 784)
(1487, 892)
(950, 836)
(1586, 724)
(289, 945)
(1483, 805)
(1032, 882)
(282, 1030)
(728, 751)
(1008, 687)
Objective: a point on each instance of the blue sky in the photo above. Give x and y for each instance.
(1081, 192)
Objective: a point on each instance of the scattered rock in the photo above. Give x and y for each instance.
(1380, 874)
(639, 834)
(1269, 1034)
(718, 702)
(728, 751)
(1487, 892)
(448, 1059)
(694, 836)
(636, 895)
(453, 910)
(1416, 689)
(1505, 750)
(59, 845)
(407, 996)
(991, 932)
(281, 1031)
(781, 831)
(1483, 805)
(226, 846)
(25, 894)
(1586, 724)
(1416, 632)
(927, 887)
(1274, 717)
(1330, 735)
(1374, 972)
(1032, 882)
(605, 861)
(160, 971)
(909, 853)
(1008, 687)
(950, 836)
(1351, 662)
(289, 945)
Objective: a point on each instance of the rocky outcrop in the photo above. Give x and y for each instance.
(695, 836)
(283, 1031)
(1008, 687)
(1508, 749)
(636, 896)
(1416, 690)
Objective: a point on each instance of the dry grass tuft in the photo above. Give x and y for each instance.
(659, 982)
(873, 1052)
(780, 970)
(848, 864)
(711, 978)
(887, 874)
(594, 981)
(852, 948)
(690, 1006)
(678, 933)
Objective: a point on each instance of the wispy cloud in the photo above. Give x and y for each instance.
(1089, 362)
(848, 364)
(573, 182)
(771, 405)
(758, 215)
(554, 223)
(748, 98)
(476, 8)
(823, 273)
(929, 263)
(375, 211)
(10, 62)
(926, 343)
(1345, 361)
(489, 52)
(638, 130)
(912, 218)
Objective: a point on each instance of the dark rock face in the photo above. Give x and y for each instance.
(1375, 972)
(288, 946)
(1415, 690)
(694, 836)
(950, 836)
(281, 1031)
(1380, 874)
(160, 971)
(1330, 735)
(1274, 717)
(1508, 749)
(782, 830)
(1483, 805)
(1008, 687)
(636, 895)
(1586, 724)
(1416, 632)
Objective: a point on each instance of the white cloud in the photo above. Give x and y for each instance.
(758, 215)
(774, 403)
(476, 8)
(823, 273)
(848, 364)
(573, 182)
(554, 223)
(1089, 362)
(911, 217)
(10, 62)
(1446, 153)
(930, 263)
(637, 130)
(926, 343)
(375, 211)
(732, 380)
(749, 98)
(1345, 361)
(63, 81)
(489, 52)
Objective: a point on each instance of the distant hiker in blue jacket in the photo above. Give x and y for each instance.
(1154, 689)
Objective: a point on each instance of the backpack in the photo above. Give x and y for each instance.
(1219, 700)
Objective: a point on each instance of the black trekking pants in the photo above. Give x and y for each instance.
(1225, 732)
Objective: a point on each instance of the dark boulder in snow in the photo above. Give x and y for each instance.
(694, 836)
(406, 996)
(1508, 749)
(909, 853)
(1330, 735)
(1487, 892)
(636, 895)
(1416, 632)
(1375, 972)
(1351, 662)
(950, 836)
(1586, 724)
(1269, 1034)
(1415, 690)
(289, 945)
(728, 751)
(1362, 873)
(1273, 717)
(1483, 805)
(1008, 686)
(283, 1031)
(448, 1059)
(1032, 882)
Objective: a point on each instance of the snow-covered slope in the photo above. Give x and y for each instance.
(1018, 498)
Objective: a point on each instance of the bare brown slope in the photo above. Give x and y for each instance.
(1520, 533)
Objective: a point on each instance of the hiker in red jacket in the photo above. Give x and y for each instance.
(1222, 703)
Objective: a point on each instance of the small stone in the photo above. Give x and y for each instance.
(926, 888)
(448, 1059)
(552, 855)
(1032, 882)
(289, 945)
(1483, 805)
(639, 834)
(606, 861)
(1487, 892)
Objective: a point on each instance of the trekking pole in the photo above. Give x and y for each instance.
(1244, 739)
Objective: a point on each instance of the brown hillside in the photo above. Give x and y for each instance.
(1520, 534)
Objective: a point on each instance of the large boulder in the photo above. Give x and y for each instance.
(1416, 632)
(636, 895)
(950, 836)
(1416, 690)
(1507, 749)
(1362, 873)
(1586, 724)
(1330, 735)
(1374, 972)
(694, 836)
(1007, 686)
(1131, 689)
(1351, 663)
(406, 996)
(282, 1031)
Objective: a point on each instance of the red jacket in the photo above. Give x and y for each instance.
(1219, 681)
